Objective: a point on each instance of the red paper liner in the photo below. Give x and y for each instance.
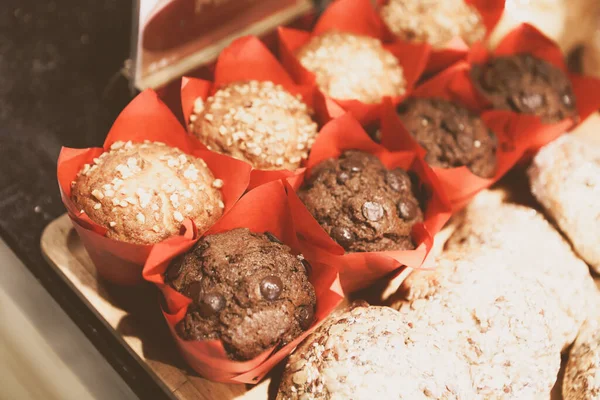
(358, 17)
(527, 39)
(247, 58)
(262, 209)
(460, 184)
(456, 49)
(359, 270)
(145, 118)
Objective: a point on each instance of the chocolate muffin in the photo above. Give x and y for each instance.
(527, 85)
(247, 289)
(362, 205)
(352, 67)
(257, 122)
(142, 192)
(433, 21)
(451, 135)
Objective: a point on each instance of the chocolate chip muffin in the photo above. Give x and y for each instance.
(362, 205)
(352, 67)
(142, 192)
(368, 352)
(257, 122)
(451, 135)
(526, 84)
(247, 289)
(433, 21)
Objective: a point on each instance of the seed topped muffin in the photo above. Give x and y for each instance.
(526, 84)
(433, 21)
(257, 122)
(247, 290)
(353, 67)
(451, 135)
(362, 205)
(142, 192)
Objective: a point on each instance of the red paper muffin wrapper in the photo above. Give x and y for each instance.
(247, 59)
(358, 270)
(145, 118)
(527, 39)
(262, 209)
(456, 49)
(460, 184)
(358, 17)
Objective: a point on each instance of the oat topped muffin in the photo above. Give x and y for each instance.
(353, 67)
(257, 122)
(142, 192)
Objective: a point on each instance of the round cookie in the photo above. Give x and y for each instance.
(451, 135)
(369, 352)
(352, 67)
(257, 122)
(247, 289)
(362, 205)
(527, 85)
(433, 21)
(582, 375)
(142, 192)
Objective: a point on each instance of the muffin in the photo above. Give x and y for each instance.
(366, 353)
(565, 179)
(495, 321)
(433, 21)
(352, 67)
(142, 192)
(362, 205)
(257, 122)
(247, 290)
(526, 84)
(582, 375)
(451, 135)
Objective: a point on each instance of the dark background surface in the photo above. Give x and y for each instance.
(60, 85)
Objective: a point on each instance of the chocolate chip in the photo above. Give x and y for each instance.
(343, 236)
(532, 101)
(270, 287)
(342, 177)
(305, 316)
(408, 210)
(567, 100)
(173, 271)
(351, 164)
(210, 304)
(452, 126)
(465, 142)
(307, 266)
(488, 79)
(398, 180)
(193, 290)
(372, 211)
(272, 237)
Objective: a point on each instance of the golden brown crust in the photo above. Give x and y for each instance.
(353, 67)
(257, 122)
(142, 192)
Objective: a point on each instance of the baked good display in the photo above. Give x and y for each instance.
(247, 290)
(352, 67)
(565, 179)
(361, 204)
(535, 252)
(525, 84)
(582, 375)
(432, 21)
(256, 121)
(494, 321)
(368, 352)
(142, 192)
(451, 135)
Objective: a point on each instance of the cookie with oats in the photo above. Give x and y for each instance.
(142, 192)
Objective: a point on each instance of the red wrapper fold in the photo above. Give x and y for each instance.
(359, 270)
(460, 184)
(527, 39)
(358, 17)
(456, 49)
(262, 209)
(246, 59)
(145, 118)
